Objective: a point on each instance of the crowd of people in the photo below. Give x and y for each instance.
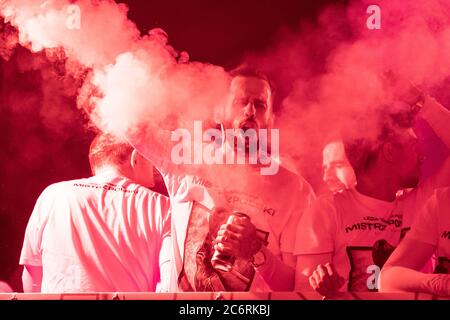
(227, 227)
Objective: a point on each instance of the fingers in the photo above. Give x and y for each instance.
(228, 242)
(330, 269)
(238, 238)
(318, 283)
(313, 282)
(228, 239)
(228, 233)
(326, 280)
(336, 280)
(238, 232)
(322, 271)
(225, 248)
(234, 228)
(243, 221)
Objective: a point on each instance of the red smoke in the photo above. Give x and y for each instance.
(337, 82)
(331, 73)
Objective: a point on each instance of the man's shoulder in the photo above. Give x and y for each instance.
(144, 192)
(325, 200)
(331, 201)
(62, 186)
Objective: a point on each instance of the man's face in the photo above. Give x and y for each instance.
(338, 174)
(249, 105)
(408, 159)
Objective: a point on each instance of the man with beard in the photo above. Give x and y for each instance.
(346, 238)
(338, 174)
(208, 201)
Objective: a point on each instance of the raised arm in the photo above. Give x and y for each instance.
(438, 117)
(400, 272)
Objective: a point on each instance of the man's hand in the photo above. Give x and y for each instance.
(325, 280)
(238, 239)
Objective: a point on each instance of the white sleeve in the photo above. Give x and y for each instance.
(438, 117)
(426, 225)
(440, 179)
(31, 249)
(166, 248)
(305, 198)
(316, 231)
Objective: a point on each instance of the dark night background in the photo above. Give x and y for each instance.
(42, 144)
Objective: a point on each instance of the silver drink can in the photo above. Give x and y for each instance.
(225, 262)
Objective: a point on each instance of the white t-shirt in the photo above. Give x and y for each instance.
(360, 232)
(101, 234)
(432, 226)
(274, 204)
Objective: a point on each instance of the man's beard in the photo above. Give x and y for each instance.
(246, 124)
(250, 130)
(412, 181)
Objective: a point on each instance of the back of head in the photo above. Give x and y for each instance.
(107, 150)
(362, 152)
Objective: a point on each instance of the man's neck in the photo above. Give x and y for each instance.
(377, 186)
(111, 170)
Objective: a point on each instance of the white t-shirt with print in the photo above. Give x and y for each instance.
(360, 232)
(274, 204)
(100, 234)
(432, 226)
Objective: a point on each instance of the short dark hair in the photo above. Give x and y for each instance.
(252, 72)
(362, 152)
(107, 149)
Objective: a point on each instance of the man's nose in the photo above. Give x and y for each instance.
(327, 174)
(250, 110)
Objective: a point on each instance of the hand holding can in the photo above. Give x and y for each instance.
(235, 239)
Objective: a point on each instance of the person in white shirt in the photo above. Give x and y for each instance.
(429, 234)
(204, 196)
(344, 240)
(106, 233)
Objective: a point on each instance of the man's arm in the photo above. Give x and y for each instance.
(164, 148)
(305, 266)
(315, 271)
(279, 274)
(438, 117)
(32, 278)
(400, 272)
(31, 255)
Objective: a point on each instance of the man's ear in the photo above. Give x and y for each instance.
(388, 150)
(134, 158)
